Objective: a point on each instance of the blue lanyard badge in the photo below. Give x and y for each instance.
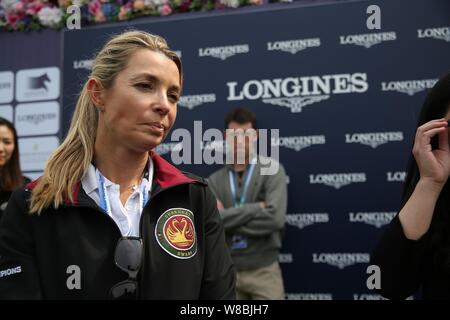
(103, 194)
(239, 242)
(245, 188)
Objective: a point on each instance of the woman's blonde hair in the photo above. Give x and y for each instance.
(70, 161)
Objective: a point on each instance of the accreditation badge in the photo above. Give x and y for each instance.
(239, 242)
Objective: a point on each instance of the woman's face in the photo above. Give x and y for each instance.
(6, 145)
(141, 106)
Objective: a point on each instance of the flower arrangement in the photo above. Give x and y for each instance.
(27, 15)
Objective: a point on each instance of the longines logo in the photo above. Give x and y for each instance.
(337, 180)
(165, 148)
(298, 143)
(341, 260)
(297, 92)
(36, 118)
(366, 296)
(301, 220)
(397, 176)
(309, 296)
(83, 64)
(373, 139)
(293, 46)
(377, 219)
(410, 87)
(285, 258)
(369, 39)
(223, 52)
(436, 33)
(193, 101)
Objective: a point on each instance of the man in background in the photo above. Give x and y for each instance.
(253, 210)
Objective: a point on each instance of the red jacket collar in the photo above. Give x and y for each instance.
(31, 185)
(166, 176)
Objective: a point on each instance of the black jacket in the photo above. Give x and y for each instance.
(36, 251)
(408, 265)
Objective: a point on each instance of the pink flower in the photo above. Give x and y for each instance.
(165, 10)
(19, 6)
(34, 7)
(94, 7)
(13, 18)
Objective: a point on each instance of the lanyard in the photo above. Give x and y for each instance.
(244, 189)
(103, 193)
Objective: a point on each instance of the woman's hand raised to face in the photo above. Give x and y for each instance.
(434, 165)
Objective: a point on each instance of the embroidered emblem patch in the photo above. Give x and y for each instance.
(175, 233)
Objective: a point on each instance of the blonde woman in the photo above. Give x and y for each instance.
(109, 218)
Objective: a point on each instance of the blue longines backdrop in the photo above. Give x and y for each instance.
(345, 99)
(30, 94)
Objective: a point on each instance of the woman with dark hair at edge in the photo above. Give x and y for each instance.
(10, 174)
(414, 251)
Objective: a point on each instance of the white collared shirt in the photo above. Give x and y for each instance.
(126, 217)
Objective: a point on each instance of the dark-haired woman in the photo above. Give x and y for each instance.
(10, 174)
(414, 251)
